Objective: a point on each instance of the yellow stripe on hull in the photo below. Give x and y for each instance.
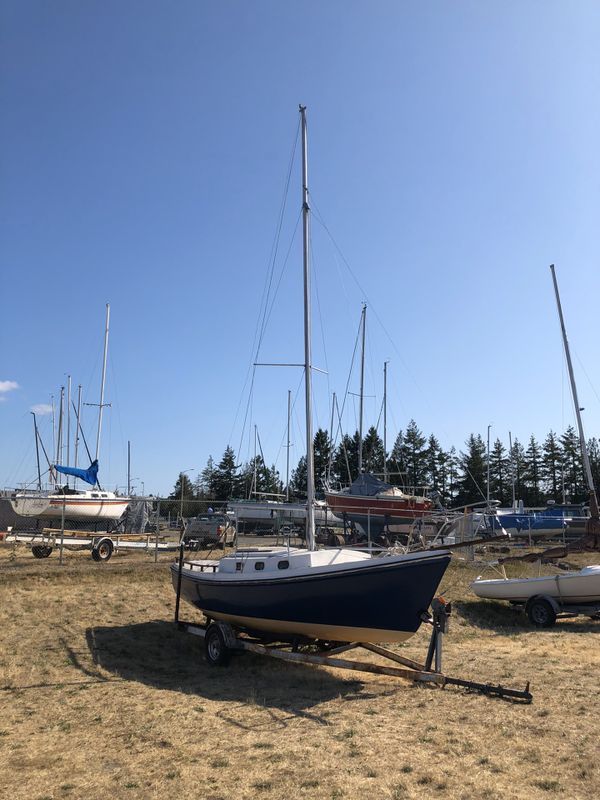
(333, 633)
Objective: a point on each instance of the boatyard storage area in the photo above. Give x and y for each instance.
(102, 696)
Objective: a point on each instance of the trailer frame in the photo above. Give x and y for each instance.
(221, 640)
(101, 545)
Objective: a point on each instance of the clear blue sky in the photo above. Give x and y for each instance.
(454, 154)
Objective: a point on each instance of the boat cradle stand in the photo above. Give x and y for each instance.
(221, 640)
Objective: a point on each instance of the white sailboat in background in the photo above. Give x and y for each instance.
(66, 502)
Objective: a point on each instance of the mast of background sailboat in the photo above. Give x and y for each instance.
(68, 422)
(60, 425)
(362, 390)
(584, 452)
(385, 363)
(287, 464)
(77, 425)
(37, 451)
(101, 406)
(310, 463)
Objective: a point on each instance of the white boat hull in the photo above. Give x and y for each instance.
(83, 506)
(569, 587)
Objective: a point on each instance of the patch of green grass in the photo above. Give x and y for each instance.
(263, 786)
(263, 745)
(218, 763)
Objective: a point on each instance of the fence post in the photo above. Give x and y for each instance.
(157, 530)
(62, 530)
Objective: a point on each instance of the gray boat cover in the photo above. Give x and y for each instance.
(368, 485)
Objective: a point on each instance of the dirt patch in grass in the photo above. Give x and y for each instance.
(101, 697)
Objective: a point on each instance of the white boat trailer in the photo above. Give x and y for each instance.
(101, 545)
(543, 610)
(221, 641)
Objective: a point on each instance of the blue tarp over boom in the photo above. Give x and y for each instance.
(89, 475)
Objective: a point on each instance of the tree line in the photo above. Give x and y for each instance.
(540, 472)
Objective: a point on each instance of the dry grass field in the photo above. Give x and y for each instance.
(101, 697)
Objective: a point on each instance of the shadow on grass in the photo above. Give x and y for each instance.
(507, 620)
(159, 655)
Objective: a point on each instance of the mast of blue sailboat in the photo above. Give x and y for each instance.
(101, 405)
(310, 462)
(78, 412)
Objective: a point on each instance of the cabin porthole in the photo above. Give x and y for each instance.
(283, 564)
(259, 565)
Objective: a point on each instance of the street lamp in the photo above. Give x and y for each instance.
(182, 473)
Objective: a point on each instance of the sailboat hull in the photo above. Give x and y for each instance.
(85, 506)
(378, 600)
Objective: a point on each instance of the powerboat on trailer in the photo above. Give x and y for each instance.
(582, 586)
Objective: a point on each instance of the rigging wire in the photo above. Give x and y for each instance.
(264, 309)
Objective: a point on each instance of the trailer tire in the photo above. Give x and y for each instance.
(541, 613)
(102, 550)
(216, 652)
(41, 550)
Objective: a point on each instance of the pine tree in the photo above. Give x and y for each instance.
(551, 467)
(434, 464)
(533, 473)
(298, 480)
(415, 455)
(396, 462)
(205, 480)
(345, 460)
(322, 455)
(572, 466)
(473, 469)
(181, 498)
(519, 461)
(499, 477)
(373, 452)
(224, 482)
(594, 456)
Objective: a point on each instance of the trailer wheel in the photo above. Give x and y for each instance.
(541, 613)
(103, 550)
(215, 650)
(41, 550)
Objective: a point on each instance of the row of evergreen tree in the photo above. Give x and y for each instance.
(552, 470)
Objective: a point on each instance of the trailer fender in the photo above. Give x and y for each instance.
(542, 610)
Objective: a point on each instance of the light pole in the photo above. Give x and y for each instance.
(181, 474)
(488, 466)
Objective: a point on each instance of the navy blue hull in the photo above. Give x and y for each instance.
(385, 596)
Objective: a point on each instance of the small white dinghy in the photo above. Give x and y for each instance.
(567, 587)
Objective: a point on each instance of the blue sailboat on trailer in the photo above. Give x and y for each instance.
(334, 595)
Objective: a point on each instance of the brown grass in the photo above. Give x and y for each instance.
(101, 697)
